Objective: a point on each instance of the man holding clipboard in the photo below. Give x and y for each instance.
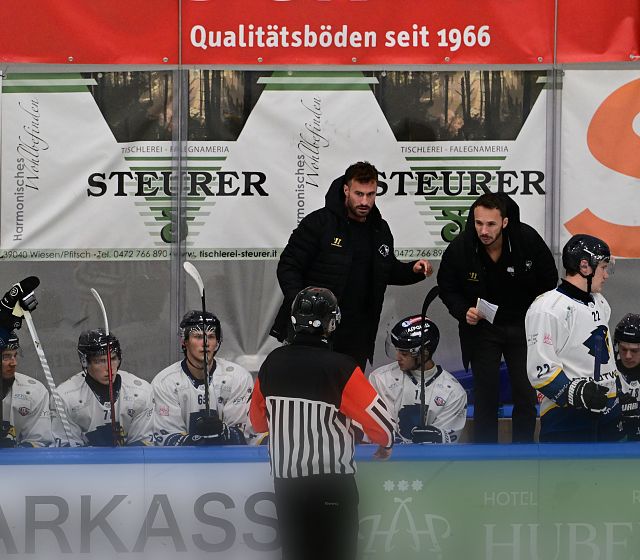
(498, 264)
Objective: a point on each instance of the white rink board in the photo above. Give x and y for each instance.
(136, 509)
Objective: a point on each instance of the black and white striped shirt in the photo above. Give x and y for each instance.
(307, 397)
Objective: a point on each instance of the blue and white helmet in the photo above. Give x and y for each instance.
(408, 335)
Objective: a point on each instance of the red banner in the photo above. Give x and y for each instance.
(367, 32)
(89, 32)
(336, 32)
(598, 31)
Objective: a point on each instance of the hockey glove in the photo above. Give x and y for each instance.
(22, 293)
(209, 426)
(429, 434)
(7, 436)
(585, 393)
(103, 436)
(210, 430)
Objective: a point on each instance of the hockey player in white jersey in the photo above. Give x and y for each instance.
(86, 399)
(626, 345)
(570, 358)
(25, 403)
(398, 384)
(179, 392)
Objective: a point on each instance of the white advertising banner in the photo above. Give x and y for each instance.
(73, 190)
(135, 510)
(600, 174)
(53, 138)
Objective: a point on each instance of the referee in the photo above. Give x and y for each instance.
(307, 397)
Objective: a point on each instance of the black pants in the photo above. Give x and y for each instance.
(317, 517)
(490, 343)
(353, 340)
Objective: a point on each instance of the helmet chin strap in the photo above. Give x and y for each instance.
(200, 367)
(417, 360)
(588, 277)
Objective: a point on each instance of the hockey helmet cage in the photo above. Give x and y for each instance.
(13, 342)
(628, 329)
(193, 321)
(584, 247)
(92, 343)
(315, 311)
(407, 335)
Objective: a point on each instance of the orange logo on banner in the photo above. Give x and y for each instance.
(614, 120)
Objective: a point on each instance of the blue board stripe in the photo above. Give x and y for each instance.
(240, 454)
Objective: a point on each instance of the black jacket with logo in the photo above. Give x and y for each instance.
(320, 253)
(462, 275)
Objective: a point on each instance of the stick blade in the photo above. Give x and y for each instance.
(96, 295)
(428, 300)
(193, 272)
(102, 308)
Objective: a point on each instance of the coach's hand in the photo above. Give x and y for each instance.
(473, 316)
(423, 266)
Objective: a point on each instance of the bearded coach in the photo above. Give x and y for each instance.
(347, 247)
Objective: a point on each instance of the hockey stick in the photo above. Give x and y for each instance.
(597, 363)
(1, 405)
(57, 400)
(2, 399)
(193, 272)
(115, 436)
(424, 409)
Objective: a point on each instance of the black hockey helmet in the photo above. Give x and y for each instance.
(193, 321)
(315, 311)
(92, 343)
(10, 341)
(407, 335)
(584, 247)
(628, 329)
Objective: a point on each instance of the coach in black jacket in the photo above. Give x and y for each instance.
(506, 262)
(348, 248)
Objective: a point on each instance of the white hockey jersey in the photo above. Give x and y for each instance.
(444, 396)
(564, 337)
(178, 401)
(90, 419)
(26, 409)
